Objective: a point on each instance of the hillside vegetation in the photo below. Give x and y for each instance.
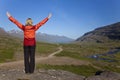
(83, 51)
(11, 46)
(8, 46)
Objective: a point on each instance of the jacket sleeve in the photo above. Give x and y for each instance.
(21, 26)
(37, 26)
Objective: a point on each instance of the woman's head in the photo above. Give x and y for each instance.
(29, 22)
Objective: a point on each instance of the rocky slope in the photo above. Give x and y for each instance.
(102, 34)
(16, 74)
(3, 32)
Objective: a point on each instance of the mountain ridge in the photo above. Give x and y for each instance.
(43, 37)
(102, 34)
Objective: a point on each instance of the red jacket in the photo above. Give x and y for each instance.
(29, 31)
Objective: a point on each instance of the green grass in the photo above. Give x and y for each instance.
(8, 46)
(105, 66)
(46, 48)
(85, 70)
(111, 68)
(83, 50)
(72, 55)
(6, 55)
(117, 56)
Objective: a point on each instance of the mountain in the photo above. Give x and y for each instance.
(102, 34)
(16, 33)
(43, 37)
(3, 32)
(52, 38)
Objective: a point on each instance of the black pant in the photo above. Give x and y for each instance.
(29, 58)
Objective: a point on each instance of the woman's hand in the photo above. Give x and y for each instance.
(49, 16)
(8, 14)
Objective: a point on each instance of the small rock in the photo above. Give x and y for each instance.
(3, 75)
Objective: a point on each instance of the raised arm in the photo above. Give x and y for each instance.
(21, 26)
(37, 26)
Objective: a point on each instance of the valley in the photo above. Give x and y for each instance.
(95, 51)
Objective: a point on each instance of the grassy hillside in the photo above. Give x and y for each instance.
(10, 46)
(82, 51)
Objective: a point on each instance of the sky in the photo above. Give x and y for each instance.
(70, 18)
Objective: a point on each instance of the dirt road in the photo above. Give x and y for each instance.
(50, 59)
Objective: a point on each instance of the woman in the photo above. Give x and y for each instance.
(29, 40)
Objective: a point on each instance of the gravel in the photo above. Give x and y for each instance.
(16, 74)
(42, 74)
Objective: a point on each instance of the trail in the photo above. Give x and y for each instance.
(20, 63)
(51, 55)
(14, 70)
(50, 59)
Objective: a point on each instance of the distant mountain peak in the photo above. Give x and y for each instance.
(14, 31)
(43, 37)
(2, 31)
